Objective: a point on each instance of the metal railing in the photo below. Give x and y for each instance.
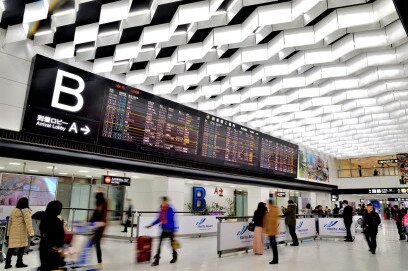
(74, 216)
(368, 172)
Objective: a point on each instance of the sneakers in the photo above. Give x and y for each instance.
(294, 245)
(273, 262)
(155, 263)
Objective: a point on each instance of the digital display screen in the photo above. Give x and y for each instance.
(132, 117)
(278, 157)
(69, 103)
(230, 143)
(40, 190)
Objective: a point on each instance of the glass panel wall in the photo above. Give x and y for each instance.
(368, 166)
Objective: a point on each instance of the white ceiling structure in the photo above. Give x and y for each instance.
(331, 75)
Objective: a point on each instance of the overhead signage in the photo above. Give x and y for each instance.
(69, 103)
(373, 191)
(334, 197)
(115, 180)
(280, 194)
(388, 161)
(397, 199)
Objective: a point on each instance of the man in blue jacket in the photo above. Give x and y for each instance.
(166, 220)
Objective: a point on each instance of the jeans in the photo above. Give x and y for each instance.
(274, 247)
(371, 237)
(165, 234)
(348, 226)
(292, 231)
(20, 253)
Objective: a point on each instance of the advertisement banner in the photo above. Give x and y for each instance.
(313, 167)
(186, 225)
(234, 235)
(305, 228)
(334, 227)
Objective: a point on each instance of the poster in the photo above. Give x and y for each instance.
(402, 159)
(313, 167)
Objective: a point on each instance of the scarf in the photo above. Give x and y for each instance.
(163, 214)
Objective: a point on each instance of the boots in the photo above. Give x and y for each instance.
(156, 260)
(174, 257)
(20, 264)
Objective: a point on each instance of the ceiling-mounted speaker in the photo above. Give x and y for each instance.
(402, 9)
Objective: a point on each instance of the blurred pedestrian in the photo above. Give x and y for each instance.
(128, 222)
(272, 229)
(19, 227)
(100, 215)
(258, 218)
(371, 221)
(167, 222)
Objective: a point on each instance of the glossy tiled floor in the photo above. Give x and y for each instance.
(200, 254)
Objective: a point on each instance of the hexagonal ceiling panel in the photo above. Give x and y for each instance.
(326, 74)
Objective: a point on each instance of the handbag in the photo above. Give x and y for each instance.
(251, 226)
(175, 244)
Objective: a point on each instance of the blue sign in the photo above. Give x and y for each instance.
(199, 202)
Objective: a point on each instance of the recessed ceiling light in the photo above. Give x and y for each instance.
(190, 182)
(83, 171)
(63, 173)
(232, 186)
(33, 170)
(88, 176)
(52, 167)
(14, 164)
(135, 177)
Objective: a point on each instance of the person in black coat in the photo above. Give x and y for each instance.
(52, 238)
(348, 220)
(371, 221)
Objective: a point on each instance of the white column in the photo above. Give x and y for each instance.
(256, 195)
(175, 191)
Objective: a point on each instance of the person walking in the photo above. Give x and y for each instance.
(272, 229)
(128, 222)
(100, 215)
(371, 221)
(258, 218)
(398, 221)
(290, 220)
(52, 238)
(168, 225)
(19, 227)
(348, 220)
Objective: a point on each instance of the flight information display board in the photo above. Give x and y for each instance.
(134, 117)
(69, 103)
(278, 157)
(230, 143)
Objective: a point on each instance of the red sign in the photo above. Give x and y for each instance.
(219, 191)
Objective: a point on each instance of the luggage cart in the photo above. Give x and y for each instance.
(3, 234)
(78, 254)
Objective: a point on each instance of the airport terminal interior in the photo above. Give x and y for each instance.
(203, 135)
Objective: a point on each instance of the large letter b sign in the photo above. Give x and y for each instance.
(70, 91)
(199, 202)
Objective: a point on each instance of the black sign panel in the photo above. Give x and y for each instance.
(373, 191)
(67, 102)
(114, 180)
(280, 194)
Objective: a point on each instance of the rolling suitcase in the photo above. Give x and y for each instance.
(143, 249)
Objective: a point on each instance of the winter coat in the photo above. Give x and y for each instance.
(371, 221)
(19, 227)
(271, 222)
(290, 215)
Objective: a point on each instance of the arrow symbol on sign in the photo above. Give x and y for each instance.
(86, 130)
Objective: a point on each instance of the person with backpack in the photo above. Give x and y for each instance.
(371, 221)
(19, 227)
